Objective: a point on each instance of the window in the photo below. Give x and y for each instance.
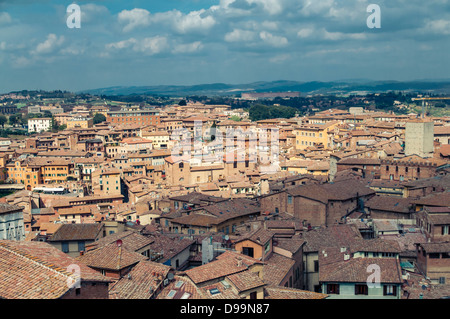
(389, 290)
(316, 265)
(289, 199)
(65, 247)
(81, 246)
(445, 230)
(248, 251)
(267, 248)
(361, 289)
(333, 289)
(434, 255)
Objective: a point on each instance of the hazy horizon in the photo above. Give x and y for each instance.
(184, 43)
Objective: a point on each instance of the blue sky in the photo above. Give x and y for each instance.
(185, 42)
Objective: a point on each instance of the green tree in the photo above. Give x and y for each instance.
(15, 119)
(3, 120)
(182, 103)
(263, 112)
(99, 118)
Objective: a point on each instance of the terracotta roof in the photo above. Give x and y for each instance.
(418, 287)
(274, 292)
(220, 290)
(131, 240)
(355, 270)
(359, 161)
(170, 247)
(141, 282)
(77, 232)
(276, 268)
(389, 204)
(341, 190)
(183, 288)
(110, 257)
(260, 236)
(36, 270)
(293, 244)
(6, 208)
(245, 280)
(332, 236)
(374, 245)
(439, 199)
(226, 264)
(436, 247)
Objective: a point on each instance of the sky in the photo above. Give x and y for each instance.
(181, 42)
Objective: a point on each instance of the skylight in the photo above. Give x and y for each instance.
(214, 291)
(171, 294)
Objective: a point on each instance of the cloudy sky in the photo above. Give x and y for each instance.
(184, 42)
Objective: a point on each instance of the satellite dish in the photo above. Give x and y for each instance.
(227, 237)
(119, 243)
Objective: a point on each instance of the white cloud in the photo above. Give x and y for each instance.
(438, 26)
(92, 12)
(188, 47)
(314, 7)
(152, 45)
(148, 46)
(305, 32)
(121, 44)
(194, 21)
(334, 36)
(280, 58)
(73, 50)
(270, 6)
(49, 45)
(238, 35)
(134, 18)
(20, 62)
(5, 18)
(273, 40)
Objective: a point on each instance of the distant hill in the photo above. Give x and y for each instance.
(335, 87)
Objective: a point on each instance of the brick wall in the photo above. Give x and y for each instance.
(89, 290)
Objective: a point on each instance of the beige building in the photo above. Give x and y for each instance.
(314, 135)
(80, 122)
(419, 136)
(160, 140)
(106, 181)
